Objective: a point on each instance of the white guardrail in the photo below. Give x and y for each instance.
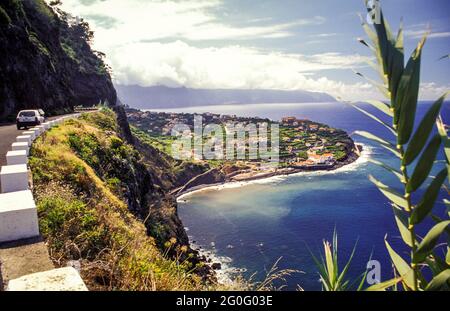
(18, 214)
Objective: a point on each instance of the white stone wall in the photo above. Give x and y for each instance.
(19, 218)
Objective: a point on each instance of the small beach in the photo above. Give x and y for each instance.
(279, 174)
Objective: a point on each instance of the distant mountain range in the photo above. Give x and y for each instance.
(166, 97)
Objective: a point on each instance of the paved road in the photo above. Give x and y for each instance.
(8, 134)
(23, 257)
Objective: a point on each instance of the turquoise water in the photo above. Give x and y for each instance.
(251, 226)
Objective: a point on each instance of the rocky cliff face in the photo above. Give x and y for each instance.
(46, 61)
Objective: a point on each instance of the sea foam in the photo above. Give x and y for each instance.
(362, 159)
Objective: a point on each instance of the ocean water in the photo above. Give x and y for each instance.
(249, 226)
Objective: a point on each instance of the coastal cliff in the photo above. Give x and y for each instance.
(102, 193)
(104, 204)
(46, 61)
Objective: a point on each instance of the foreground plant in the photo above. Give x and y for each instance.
(401, 87)
(331, 278)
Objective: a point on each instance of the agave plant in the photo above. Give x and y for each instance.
(417, 151)
(331, 277)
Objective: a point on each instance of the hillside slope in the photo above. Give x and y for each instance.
(104, 203)
(46, 61)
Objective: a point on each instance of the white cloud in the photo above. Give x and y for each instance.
(146, 43)
(188, 20)
(417, 34)
(178, 63)
(433, 91)
(324, 35)
(216, 31)
(417, 31)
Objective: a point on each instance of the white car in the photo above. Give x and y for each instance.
(28, 118)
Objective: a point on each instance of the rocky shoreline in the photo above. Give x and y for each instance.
(236, 176)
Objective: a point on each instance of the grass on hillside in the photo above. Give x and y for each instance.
(82, 218)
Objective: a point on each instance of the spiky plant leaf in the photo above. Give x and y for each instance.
(376, 119)
(399, 44)
(383, 39)
(392, 170)
(424, 165)
(376, 50)
(443, 132)
(429, 198)
(383, 143)
(383, 285)
(422, 133)
(446, 141)
(383, 107)
(330, 276)
(391, 194)
(329, 263)
(392, 58)
(407, 94)
(382, 88)
(343, 274)
(397, 64)
(436, 263)
(403, 269)
(437, 220)
(369, 31)
(428, 243)
(440, 281)
(401, 218)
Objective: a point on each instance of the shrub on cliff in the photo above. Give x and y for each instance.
(4, 17)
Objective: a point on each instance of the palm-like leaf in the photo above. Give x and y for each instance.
(402, 83)
(331, 277)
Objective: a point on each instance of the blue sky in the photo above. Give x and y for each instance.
(284, 44)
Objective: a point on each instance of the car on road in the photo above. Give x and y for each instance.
(28, 118)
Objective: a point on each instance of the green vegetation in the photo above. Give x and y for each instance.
(297, 138)
(302, 155)
(334, 141)
(70, 52)
(105, 121)
(428, 266)
(57, 223)
(44, 9)
(14, 5)
(83, 217)
(4, 17)
(38, 44)
(79, 169)
(161, 142)
(331, 278)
